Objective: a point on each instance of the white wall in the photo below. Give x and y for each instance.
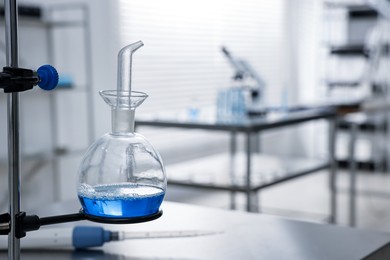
(304, 36)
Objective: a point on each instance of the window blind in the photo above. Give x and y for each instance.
(182, 63)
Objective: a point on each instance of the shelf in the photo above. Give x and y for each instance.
(360, 165)
(349, 84)
(29, 11)
(355, 11)
(364, 123)
(34, 15)
(356, 49)
(214, 172)
(361, 11)
(365, 127)
(349, 50)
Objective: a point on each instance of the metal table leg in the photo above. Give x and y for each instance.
(233, 148)
(256, 140)
(387, 145)
(332, 170)
(255, 207)
(352, 172)
(248, 172)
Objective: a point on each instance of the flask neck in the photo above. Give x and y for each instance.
(122, 120)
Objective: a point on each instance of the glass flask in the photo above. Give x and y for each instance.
(121, 174)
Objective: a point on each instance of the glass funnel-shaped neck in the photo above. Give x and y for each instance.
(123, 104)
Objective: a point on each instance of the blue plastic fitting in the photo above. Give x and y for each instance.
(48, 77)
(84, 236)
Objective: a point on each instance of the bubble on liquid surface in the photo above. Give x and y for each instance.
(118, 191)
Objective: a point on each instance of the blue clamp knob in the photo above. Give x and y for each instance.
(48, 77)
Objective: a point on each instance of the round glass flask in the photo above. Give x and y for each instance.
(121, 174)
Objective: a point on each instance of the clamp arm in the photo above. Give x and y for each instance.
(20, 79)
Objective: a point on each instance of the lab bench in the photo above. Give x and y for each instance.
(246, 177)
(239, 235)
(354, 116)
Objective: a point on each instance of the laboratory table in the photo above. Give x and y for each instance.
(251, 127)
(240, 235)
(354, 113)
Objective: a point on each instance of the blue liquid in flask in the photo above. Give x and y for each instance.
(121, 200)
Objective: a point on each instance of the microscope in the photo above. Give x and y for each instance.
(247, 78)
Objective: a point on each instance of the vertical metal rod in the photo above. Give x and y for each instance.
(256, 194)
(352, 172)
(14, 172)
(11, 36)
(248, 172)
(256, 140)
(233, 148)
(387, 137)
(332, 169)
(11, 32)
(377, 145)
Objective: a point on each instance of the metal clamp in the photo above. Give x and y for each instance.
(17, 79)
(5, 224)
